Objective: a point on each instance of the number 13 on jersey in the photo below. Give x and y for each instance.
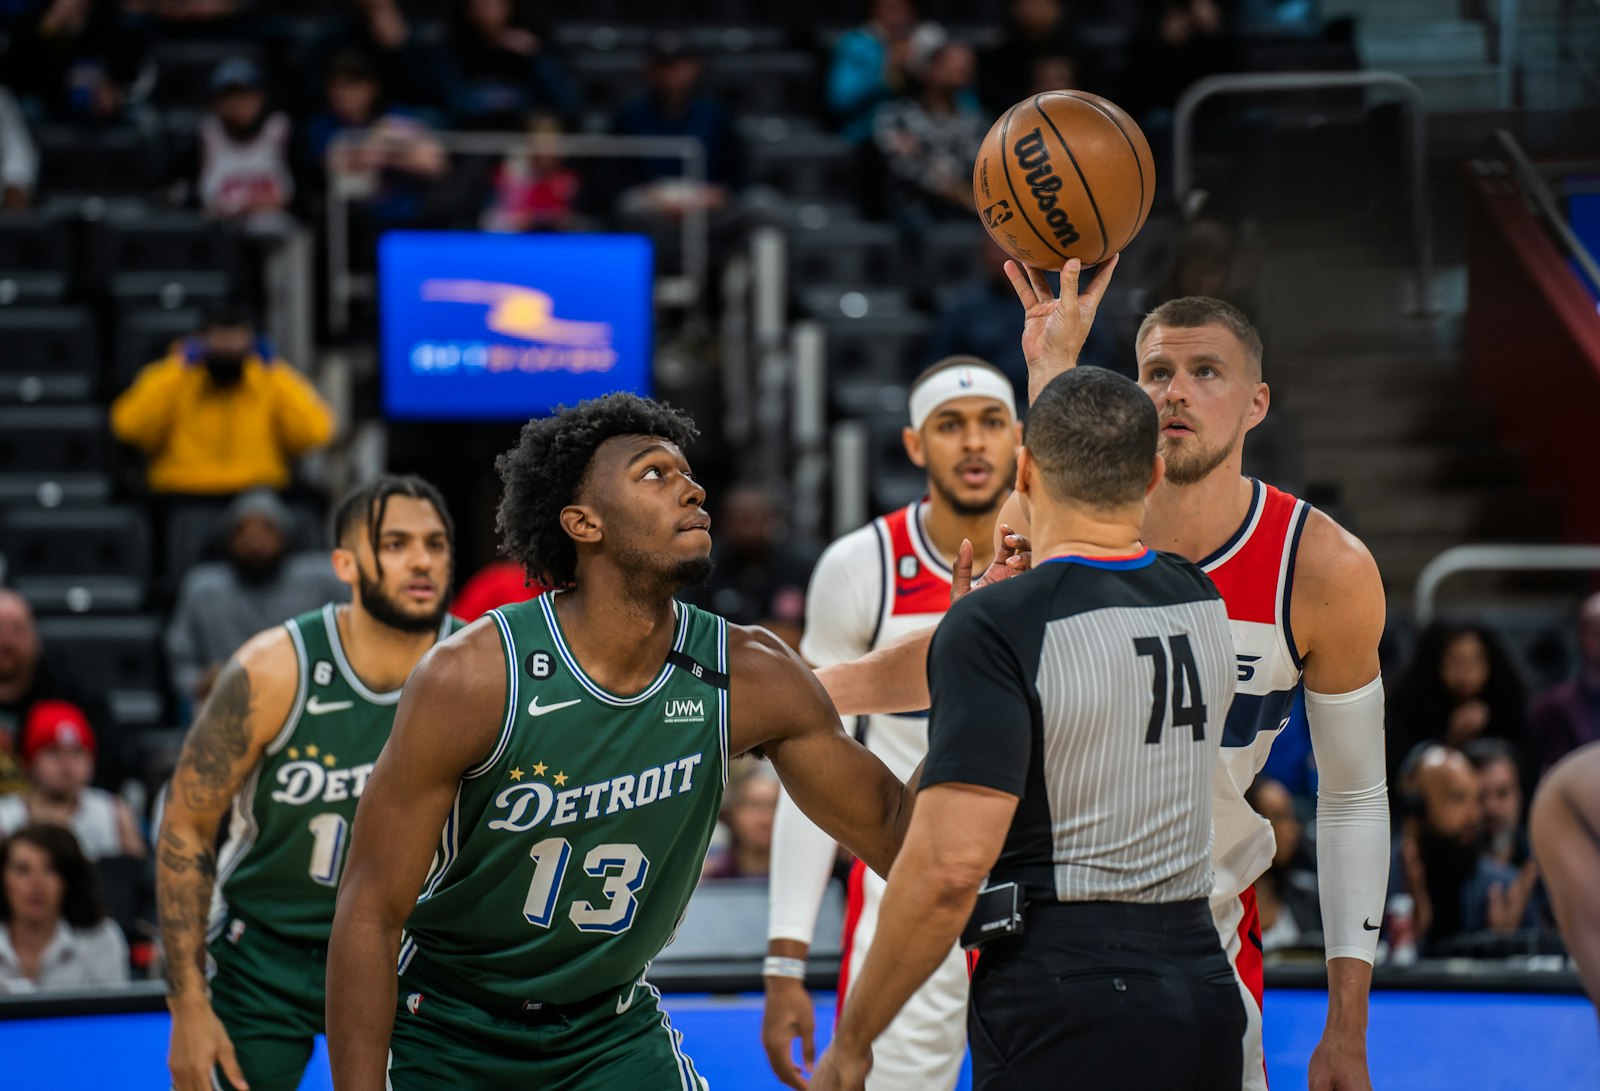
(623, 867)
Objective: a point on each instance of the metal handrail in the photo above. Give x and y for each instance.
(681, 290)
(1498, 558)
(1264, 82)
(1530, 182)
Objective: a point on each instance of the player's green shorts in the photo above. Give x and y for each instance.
(269, 993)
(618, 1039)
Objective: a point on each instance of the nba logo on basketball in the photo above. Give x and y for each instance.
(997, 213)
(413, 1002)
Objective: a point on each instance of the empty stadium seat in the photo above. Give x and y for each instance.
(947, 255)
(122, 653)
(183, 69)
(99, 161)
(893, 481)
(607, 80)
(173, 258)
(766, 83)
(805, 167)
(870, 360)
(851, 256)
(77, 560)
(35, 259)
(53, 454)
(48, 354)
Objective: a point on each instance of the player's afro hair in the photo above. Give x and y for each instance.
(545, 470)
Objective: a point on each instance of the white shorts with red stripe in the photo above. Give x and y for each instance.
(1239, 927)
(923, 1048)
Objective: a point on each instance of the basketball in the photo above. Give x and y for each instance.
(1065, 174)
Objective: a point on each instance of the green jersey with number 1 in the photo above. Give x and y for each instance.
(291, 820)
(572, 849)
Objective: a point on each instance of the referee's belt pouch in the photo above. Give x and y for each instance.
(997, 913)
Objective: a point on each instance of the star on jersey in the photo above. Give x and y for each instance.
(560, 779)
(327, 759)
(311, 751)
(539, 768)
(294, 753)
(516, 774)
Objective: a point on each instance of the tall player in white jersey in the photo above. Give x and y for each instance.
(1306, 606)
(872, 586)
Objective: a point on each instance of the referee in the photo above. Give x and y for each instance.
(1077, 712)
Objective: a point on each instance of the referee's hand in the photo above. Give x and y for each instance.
(788, 1015)
(1015, 557)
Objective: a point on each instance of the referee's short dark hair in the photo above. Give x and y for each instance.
(1093, 434)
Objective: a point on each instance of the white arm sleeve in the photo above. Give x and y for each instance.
(1352, 817)
(841, 612)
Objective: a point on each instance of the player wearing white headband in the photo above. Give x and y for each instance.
(873, 585)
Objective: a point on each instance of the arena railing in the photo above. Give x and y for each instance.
(1498, 558)
(1261, 83)
(680, 289)
(1537, 191)
(1567, 35)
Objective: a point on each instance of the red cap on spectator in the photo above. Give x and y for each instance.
(55, 723)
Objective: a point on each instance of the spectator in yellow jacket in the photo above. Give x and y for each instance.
(221, 413)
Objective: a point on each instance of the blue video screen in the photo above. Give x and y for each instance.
(505, 327)
(1420, 1041)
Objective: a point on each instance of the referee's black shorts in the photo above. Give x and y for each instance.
(1108, 995)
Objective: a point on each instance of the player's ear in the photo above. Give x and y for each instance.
(582, 523)
(1157, 473)
(913, 444)
(1260, 401)
(1027, 471)
(345, 566)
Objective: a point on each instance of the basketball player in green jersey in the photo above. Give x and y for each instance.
(286, 741)
(562, 763)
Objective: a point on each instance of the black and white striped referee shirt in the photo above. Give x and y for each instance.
(1094, 690)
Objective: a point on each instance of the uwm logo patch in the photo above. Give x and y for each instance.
(686, 711)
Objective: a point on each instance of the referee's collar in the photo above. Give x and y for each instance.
(1118, 564)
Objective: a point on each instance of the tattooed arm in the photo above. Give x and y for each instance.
(247, 707)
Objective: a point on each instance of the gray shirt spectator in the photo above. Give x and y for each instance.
(223, 604)
(19, 159)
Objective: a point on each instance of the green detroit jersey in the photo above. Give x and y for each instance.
(291, 820)
(571, 851)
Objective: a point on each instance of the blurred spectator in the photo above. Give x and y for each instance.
(1460, 685)
(930, 137)
(1499, 768)
(534, 189)
(497, 67)
(221, 605)
(19, 159)
(1201, 263)
(76, 59)
(498, 583)
(221, 413)
(751, 801)
(674, 105)
(1051, 72)
(58, 747)
(871, 64)
(30, 674)
(980, 319)
(1567, 715)
(1035, 31)
(1286, 896)
(1181, 41)
(244, 151)
(386, 158)
(1437, 859)
(56, 934)
(382, 34)
(207, 19)
(758, 579)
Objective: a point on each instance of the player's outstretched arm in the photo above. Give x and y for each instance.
(448, 720)
(1337, 617)
(1054, 330)
(248, 706)
(779, 707)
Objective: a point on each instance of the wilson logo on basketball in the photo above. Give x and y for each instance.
(1044, 184)
(997, 213)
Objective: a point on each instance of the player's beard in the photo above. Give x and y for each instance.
(1194, 463)
(386, 609)
(649, 580)
(964, 507)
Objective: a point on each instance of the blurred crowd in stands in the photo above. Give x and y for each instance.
(244, 115)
